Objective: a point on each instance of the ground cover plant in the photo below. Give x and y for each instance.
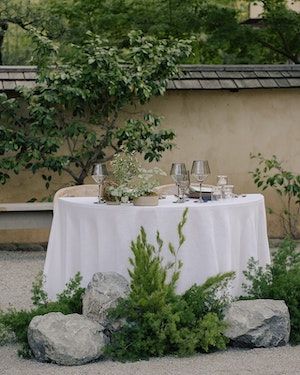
(280, 281)
(160, 322)
(16, 323)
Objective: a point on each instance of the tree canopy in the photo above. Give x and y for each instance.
(69, 121)
(219, 34)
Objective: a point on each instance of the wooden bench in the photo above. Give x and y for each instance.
(25, 215)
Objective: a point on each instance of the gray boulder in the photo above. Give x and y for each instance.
(65, 339)
(102, 293)
(258, 323)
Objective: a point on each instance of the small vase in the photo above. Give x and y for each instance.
(146, 200)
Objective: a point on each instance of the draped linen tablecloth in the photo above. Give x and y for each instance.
(220, 236)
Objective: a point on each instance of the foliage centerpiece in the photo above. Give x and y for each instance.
(131, 181)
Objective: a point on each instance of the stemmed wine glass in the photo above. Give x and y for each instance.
(181, 178)
(200, 170)
(99, 174)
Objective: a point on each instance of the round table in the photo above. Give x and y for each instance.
(220, 236)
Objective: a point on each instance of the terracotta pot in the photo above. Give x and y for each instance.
(147, 200)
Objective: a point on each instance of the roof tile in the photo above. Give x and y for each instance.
(286, 74)
(210, 84)
(190, 84)
(294, 82)
(171, 85)
(228, 84)
(268, 83)
(4, 75)
(248, 74)
(28, 84)
(247, 83)
(261, 74)
(16, 75)
(275, 74)
(196, 75)
(295, 74)
(282, 82)
(30, 75)
(9, 85)
(226, 74)
(209, 74)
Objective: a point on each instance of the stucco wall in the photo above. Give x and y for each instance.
(221, 126)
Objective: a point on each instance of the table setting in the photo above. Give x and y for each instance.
(121, 192)
(94, 234)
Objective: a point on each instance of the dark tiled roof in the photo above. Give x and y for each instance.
(13, 76)
(193, 77)
(237, 77)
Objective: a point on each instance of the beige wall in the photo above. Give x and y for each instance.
(256, 9)
(223, 127)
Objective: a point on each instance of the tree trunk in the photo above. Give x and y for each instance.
(3, 29)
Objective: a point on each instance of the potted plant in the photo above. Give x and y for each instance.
(131, 182)
(143, 188)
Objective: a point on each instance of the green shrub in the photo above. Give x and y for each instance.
(158, 321)
(272, 174)
(68, 302)
(279, 281)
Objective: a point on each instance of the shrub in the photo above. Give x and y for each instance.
(280, 281)
(271, 173)
(158, 321)
(68, 302)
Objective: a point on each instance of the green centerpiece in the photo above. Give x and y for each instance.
(130, 181)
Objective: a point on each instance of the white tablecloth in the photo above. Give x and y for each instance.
(220, 236)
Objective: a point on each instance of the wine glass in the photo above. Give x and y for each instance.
(180, 176)
(200, 170)
(99, 174)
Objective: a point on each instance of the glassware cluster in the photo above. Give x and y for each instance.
(200, 171)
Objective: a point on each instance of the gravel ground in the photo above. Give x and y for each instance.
(17, 271)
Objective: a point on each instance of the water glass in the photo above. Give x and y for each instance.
(228, 191)
(181, 178)
(183, 185)
(216, 193)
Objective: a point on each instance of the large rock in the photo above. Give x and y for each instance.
(102, 293)
(258, 323)
(65, 339)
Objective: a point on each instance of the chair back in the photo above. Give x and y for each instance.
(170, 189)
(76, 191)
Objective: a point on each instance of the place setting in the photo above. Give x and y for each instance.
(200, 171)
(141, 187)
